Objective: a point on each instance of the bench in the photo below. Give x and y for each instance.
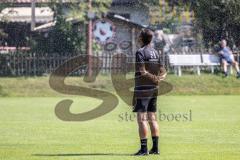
(196, 61)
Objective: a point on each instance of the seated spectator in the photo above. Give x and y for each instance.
(226, 57)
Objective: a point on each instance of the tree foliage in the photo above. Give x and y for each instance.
(215, 19)
(218, 19)
(2, 33)
(64, 36)
(167, 12)
(80, 9)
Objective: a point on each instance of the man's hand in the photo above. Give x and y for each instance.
(221, 52)
(161, 77)
(154, 78)
(163, 74)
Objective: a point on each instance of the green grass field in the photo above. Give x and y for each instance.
(205, 84)
(29, 129)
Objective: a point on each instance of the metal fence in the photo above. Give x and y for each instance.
(38, 64)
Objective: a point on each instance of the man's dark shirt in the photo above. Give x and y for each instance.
(151, 59)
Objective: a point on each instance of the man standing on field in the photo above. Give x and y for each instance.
(149, 72)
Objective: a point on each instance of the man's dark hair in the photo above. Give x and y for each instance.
(146, 35)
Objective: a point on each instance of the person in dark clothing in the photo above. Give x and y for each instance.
(149, 72)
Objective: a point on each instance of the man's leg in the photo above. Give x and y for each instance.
(235, 64)
(143, 130)
(224, 64)
(152, 120)
(142, 124)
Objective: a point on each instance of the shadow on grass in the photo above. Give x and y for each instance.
(80, 154)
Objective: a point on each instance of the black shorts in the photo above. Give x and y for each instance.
(145, 105)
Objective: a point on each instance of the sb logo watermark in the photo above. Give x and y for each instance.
(110, 101)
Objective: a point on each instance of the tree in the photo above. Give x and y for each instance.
(181, 3)
(167, 12)
(79, 10)
(218, 19)
(62, 38)
(66, 37)
(2, 33)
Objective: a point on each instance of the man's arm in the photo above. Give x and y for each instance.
(220, 53)
(154, 78)
(163, 73)
(230, 51)
(143, 72)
